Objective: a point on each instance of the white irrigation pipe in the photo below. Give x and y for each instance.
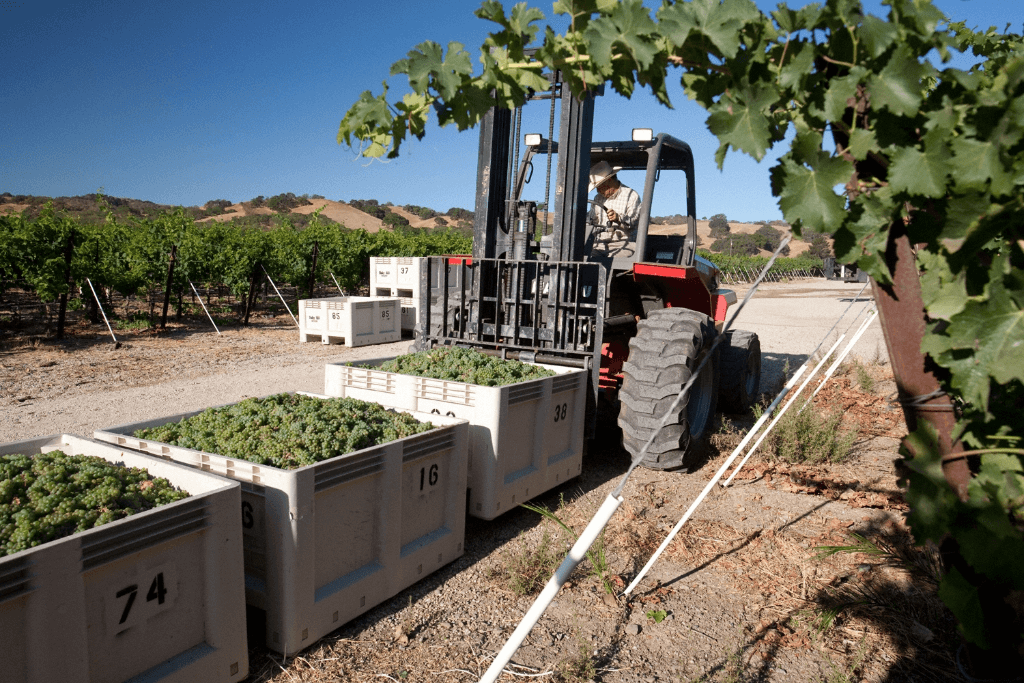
(782, 412)
(828, 374)
(810, 356)
(575, 556)
(94, 296)
(714, 480)
(204, 306)
(271, 280)
(336, 283)
(764, 416)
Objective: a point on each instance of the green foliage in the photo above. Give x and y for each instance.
(138, 321)
(131, 256)
(920, 148)
(464, 365)
(51, 495)
(657, 616)
(526, 572)
(595, 553)
(719, 225)
(288, 430)
(810, 436)
(283, 203)
(731, 264)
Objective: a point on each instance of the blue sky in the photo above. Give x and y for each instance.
(181, 103)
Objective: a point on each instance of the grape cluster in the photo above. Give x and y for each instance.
(464, 365)
(52, 495)
(288, 431)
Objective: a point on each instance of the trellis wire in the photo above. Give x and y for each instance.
(102, 312)
(271, 280)
(204, 306)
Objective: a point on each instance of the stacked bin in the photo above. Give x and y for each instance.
(351, 320)
(157, 596)
(327, 542)
(525, 438)
(398, 276)
(401, 277)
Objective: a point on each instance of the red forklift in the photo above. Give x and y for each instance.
(544, 285)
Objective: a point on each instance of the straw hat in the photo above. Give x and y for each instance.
(600, 172)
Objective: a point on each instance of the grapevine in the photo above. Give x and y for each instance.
(51, 495)
(130, 256)
(287, 431)
(918, 150)
(464, 365)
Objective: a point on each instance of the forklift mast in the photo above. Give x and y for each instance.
(526, 293)
(499, 182)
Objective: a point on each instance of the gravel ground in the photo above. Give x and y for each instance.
(734, 598)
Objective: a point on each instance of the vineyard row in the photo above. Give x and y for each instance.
(54, 254)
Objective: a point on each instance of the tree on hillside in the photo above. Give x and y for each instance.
(719, 225)
(737, 244)
(925, 154)
(821, 246)
(771, 236)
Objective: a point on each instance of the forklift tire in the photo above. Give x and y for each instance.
(741, 371)
(668, 345)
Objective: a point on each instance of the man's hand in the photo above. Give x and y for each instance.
(612, 215)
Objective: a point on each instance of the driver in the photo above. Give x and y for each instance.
(615, 206)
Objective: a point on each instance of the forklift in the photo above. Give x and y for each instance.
(544, 285)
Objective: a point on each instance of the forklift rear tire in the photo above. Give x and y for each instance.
(667, 347)
(741, 371)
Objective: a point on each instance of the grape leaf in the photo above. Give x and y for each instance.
(919, 173)
(876, 35)
(839, 91)
(808, 195)
(861, 142)
(720, 21)
(426, 65)
(975, 163)
(962, 599)
(627, 28)
(739, 120)
(899, 86)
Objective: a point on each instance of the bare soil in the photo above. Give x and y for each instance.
(740, 595)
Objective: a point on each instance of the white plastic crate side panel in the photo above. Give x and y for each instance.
(124, 598)
(510, 458)
(408, 269)
(433, 518)
(303, 602)
(383, 272)
(388, 317)
(356, 544)
(14, 636)
(313, 316)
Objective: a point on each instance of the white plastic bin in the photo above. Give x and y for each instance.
(525, 438)
(351, 320)
(396, 271)
(157, 596)
(327, 542)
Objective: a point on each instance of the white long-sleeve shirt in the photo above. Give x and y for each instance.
(625, 202)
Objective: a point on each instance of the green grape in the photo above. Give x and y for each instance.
(53, 495)
(288, 431)
(463, 365)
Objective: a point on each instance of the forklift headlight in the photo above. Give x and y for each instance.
(532, 139)
(642, 134)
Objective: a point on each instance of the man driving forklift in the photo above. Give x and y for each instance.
(616, 207)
